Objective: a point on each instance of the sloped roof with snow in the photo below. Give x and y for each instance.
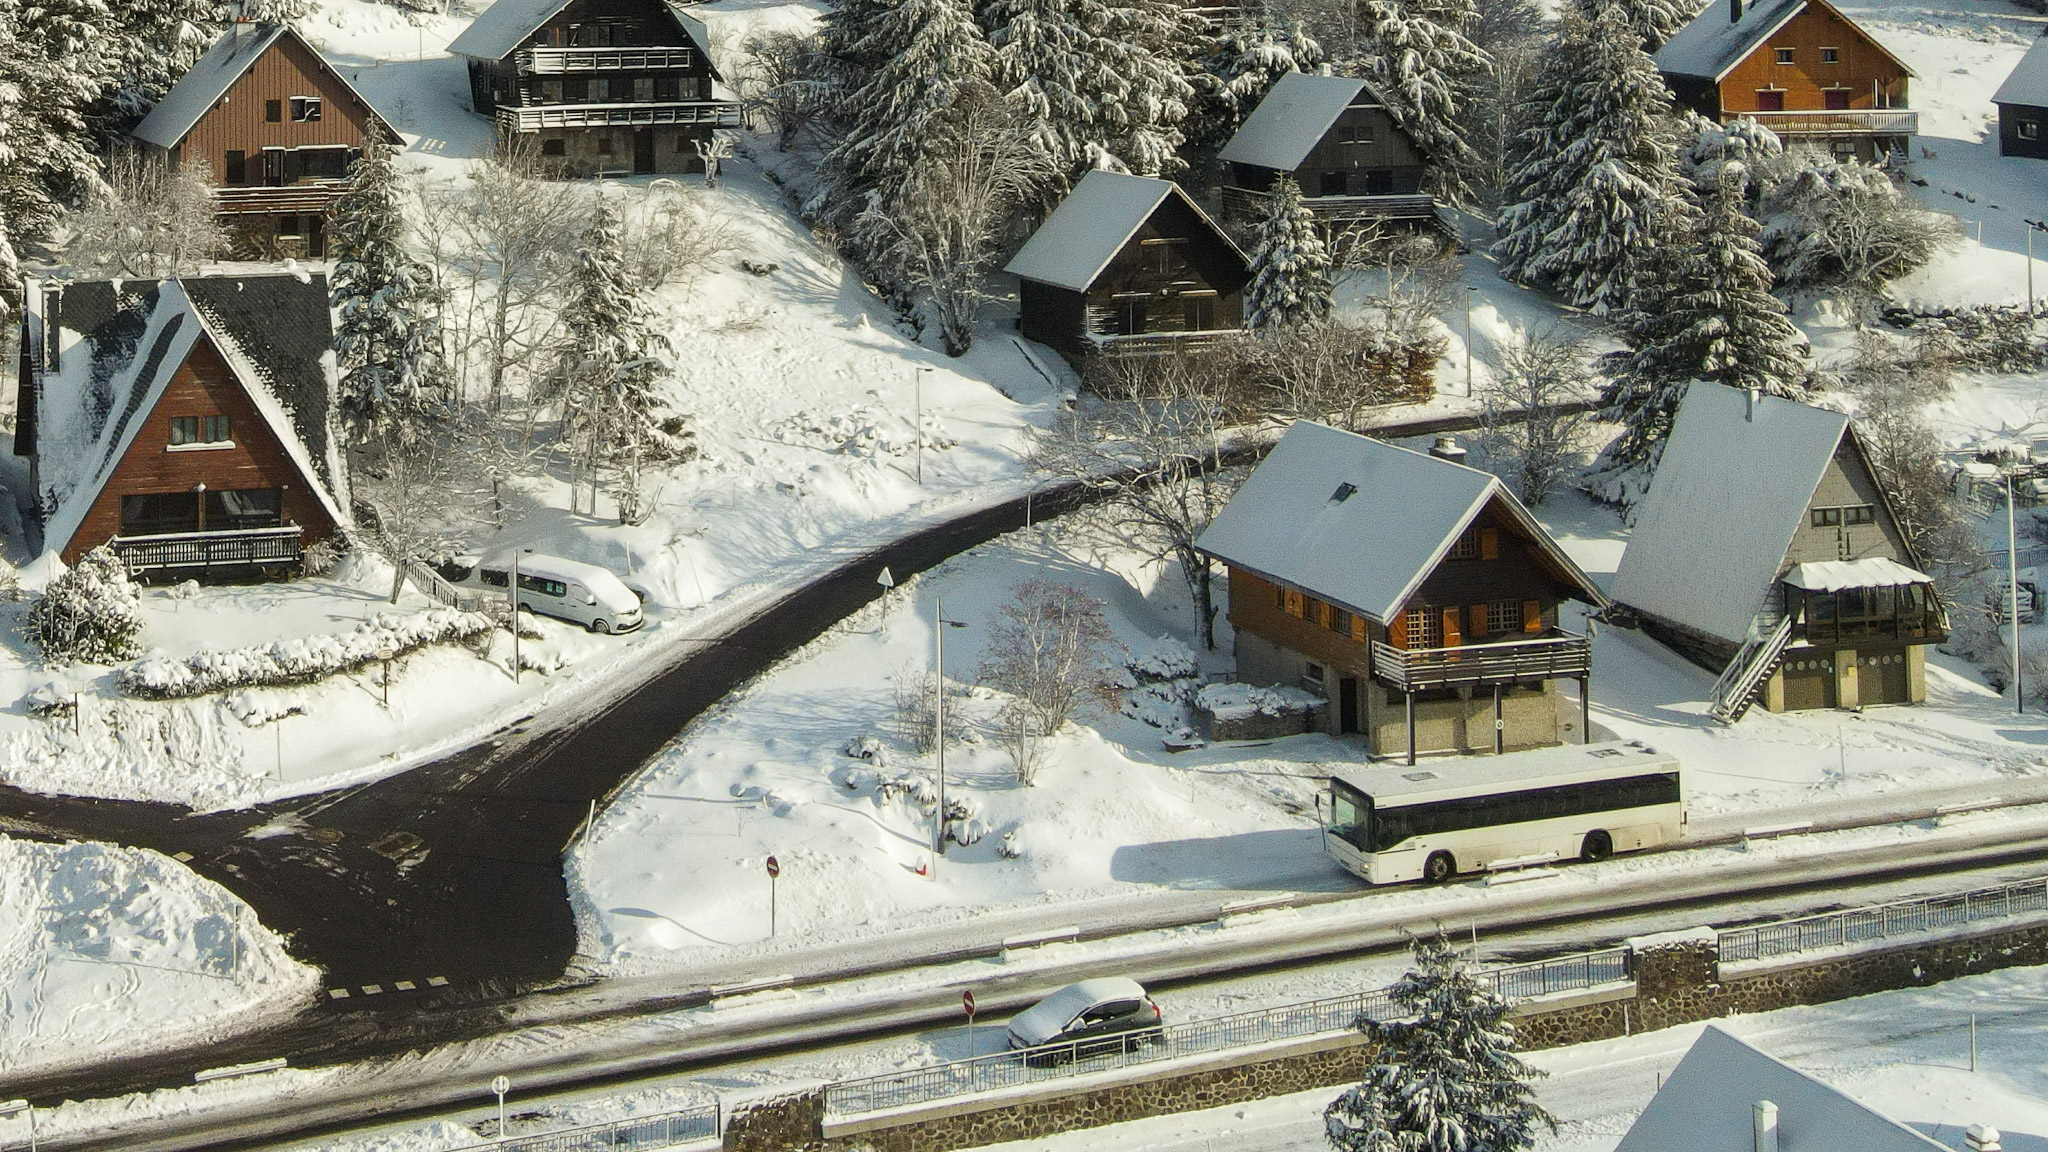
(1706, 1106)
(200, 88)
(505, 25)
(1726, 499)
(1296, 114)
(1712, 44)
(1367, 549)
(2028, 82)
(1092, 225)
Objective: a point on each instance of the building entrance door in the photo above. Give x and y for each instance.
(1347, 705)
(643, 152)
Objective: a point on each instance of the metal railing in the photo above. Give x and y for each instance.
(664, 1130)
(235, 548)
(1335, 1014)
(717, 113)
(548, 61)
(1557, 654)
(441, 591)
(1839, 122)
(1877, 922)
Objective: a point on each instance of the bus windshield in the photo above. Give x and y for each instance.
(1351, 815)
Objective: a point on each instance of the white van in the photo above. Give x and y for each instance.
(565, 589)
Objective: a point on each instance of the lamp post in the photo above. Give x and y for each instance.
(2032, 227)
(2012, 576)
(917, 429)
(939, 626)
(1471, 290)
(514, 591)
(13, 1108)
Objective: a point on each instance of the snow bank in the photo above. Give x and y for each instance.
(298, 661)
(1243, 701)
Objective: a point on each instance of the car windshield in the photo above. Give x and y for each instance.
(1351, 815)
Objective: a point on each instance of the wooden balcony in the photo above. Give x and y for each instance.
(1145, 344)
(1547, 656)
(1245, 204)
(237, 548)
(712, 113)
(557, 61)
(1838, 122)
(305, 196)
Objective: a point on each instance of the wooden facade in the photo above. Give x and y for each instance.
(2022, 102)
(1334, 137)
(601, 88)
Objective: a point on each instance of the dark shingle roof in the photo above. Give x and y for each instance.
(505, 25)
(2028, 83)
(282, 325)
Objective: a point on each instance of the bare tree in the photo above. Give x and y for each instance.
(674, 235)
(418, 499)
(516, 229)
(1338, 371)
(150, 219)
(1844, 224)
(1051, 652)
(1893, 388)
(778, 83)
(1533, 415)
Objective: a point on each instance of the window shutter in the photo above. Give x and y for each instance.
(1489, 543)
(1477, 615)
(1452, 615)
(1397, 630)
(1532, 616)
(1358, 632)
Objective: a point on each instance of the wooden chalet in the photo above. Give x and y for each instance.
(276, 128)
(1414, 594)
(2023, 106)
(1334, 136)
(604, 87)
(189, 422)
(1767, 551)
(1799, 68)
(1128, 266)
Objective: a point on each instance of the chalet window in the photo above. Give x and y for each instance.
(249, 508)
(604, 143)
(1130, 316)
(1425, 628)
(1293, 603)
(1784, 55)
(2028, 130)
(323, 163)
(1198, 313)
(237, 168)
(1313, 675)
(1770, 100)
(551, 91)
(1860, 514)
(666, 88)
(1333, 184)
(603, 95)
(1355, 134)
(273, 111)
(643, 89)
(576, 91)
(1466, 547)
(1161, 254)
(554, 147)
(289, 228)
(1826, 517)
(305, 109)
(1831, 55)
(1503, 616)
(198, 430)
(1834, 99)
(153, 513)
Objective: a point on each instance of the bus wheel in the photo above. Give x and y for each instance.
(1598, 846)
(1439, 867)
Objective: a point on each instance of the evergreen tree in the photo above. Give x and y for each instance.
(1417, 55)
(1244, 62)
(226, 12)
(387, 341)
(611, 353)
(1652, 20)
(91, 613)
(54, 66)
(1594, 170)
(1290, 264)
(157, 43)
(1450, 1080)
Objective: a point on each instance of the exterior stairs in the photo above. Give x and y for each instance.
(1736, 690)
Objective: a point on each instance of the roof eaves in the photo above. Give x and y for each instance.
(1873, 41)
(1753, 42)
(1443, 547)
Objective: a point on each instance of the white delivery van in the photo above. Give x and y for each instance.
(565, 589)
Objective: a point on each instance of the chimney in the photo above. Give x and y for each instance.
(1754, 396)
(1734, 11)
(1982, 1138)
(1448, 448)
(1323, 69)
(1764, 1119)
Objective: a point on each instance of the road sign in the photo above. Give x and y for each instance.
(967, 1002)
(887, 579)
(501, 1085)
(774, 869)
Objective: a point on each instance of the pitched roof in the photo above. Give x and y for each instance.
(119, 343)
(1370, 548)
(1295, 115)
(208, 80)
(1726, 499)
(2028, 82)
(1092, 225)
(1711, 44)
(1706, 1105)
(505, 25)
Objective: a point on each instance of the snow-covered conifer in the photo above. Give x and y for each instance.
(91, 613)
(1593, 171)
(1449, 1079)
(156, 43)
(387, 339)
(268, 11)
(1742, 330)
(611, 353)
(1417, 55)
(1290, 264)
(1652, 20)
(55, 66)
(1244, 62)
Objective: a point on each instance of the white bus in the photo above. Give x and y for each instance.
(1389, 824)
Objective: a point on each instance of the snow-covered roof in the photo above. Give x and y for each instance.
(1727, 497)
(1092, 225)
(201, 87)
(2028, 82)
(1359, 522)
(1711, 44)
(1707, 1105)
(505, 25)
(1869, 572)
(1295, 115)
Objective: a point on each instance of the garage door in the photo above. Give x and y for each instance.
(1881, 677)
(1809, 682)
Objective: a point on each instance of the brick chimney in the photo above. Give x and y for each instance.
(1448, 448)
(1763, 1117)
(1734, 11)
(1982, 1138)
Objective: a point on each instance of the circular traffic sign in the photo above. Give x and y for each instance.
(774, 869)
(967, 1001)
(501, 1085)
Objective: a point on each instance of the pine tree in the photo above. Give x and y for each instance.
(1594, 170)
(157, 43)
(1290, 264)
(54, 66)
(1653, 20)
(1450, 1080)
(1417, 55)
(387, 340)
(1244, 62)
(91, 613)
(611, 353)
(264, 11)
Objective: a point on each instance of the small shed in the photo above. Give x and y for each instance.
(2023, 106)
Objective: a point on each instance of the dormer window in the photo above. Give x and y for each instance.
(1344, 492)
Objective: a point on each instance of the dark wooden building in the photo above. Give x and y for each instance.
(1334, 136)
(1128, 266)
(2023, 106)
(1799, 68)
(189, 422)
(1414, 594)
(276, 128)
(604, 87)
(1767, 551)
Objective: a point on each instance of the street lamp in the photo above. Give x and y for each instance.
(1471, 290)
(514, 590)
(2032, 227)
(917, 429)
(13, 1108)
(2012, 575)
(939, 626)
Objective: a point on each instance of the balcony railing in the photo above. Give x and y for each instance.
(235, 548)
(1246, 204)
(553, 61)
(1144, 344)
(1838, 122)
(1551, 655)
(305, 196)
(715, 113)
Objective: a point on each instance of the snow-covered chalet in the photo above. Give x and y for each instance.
(2023, 105)
(189, 422)
(1128, 266)
(1766, 550)
(1335, 137)
(1416, 595)
(1798, 67)
(600, 87)
(276, 129)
